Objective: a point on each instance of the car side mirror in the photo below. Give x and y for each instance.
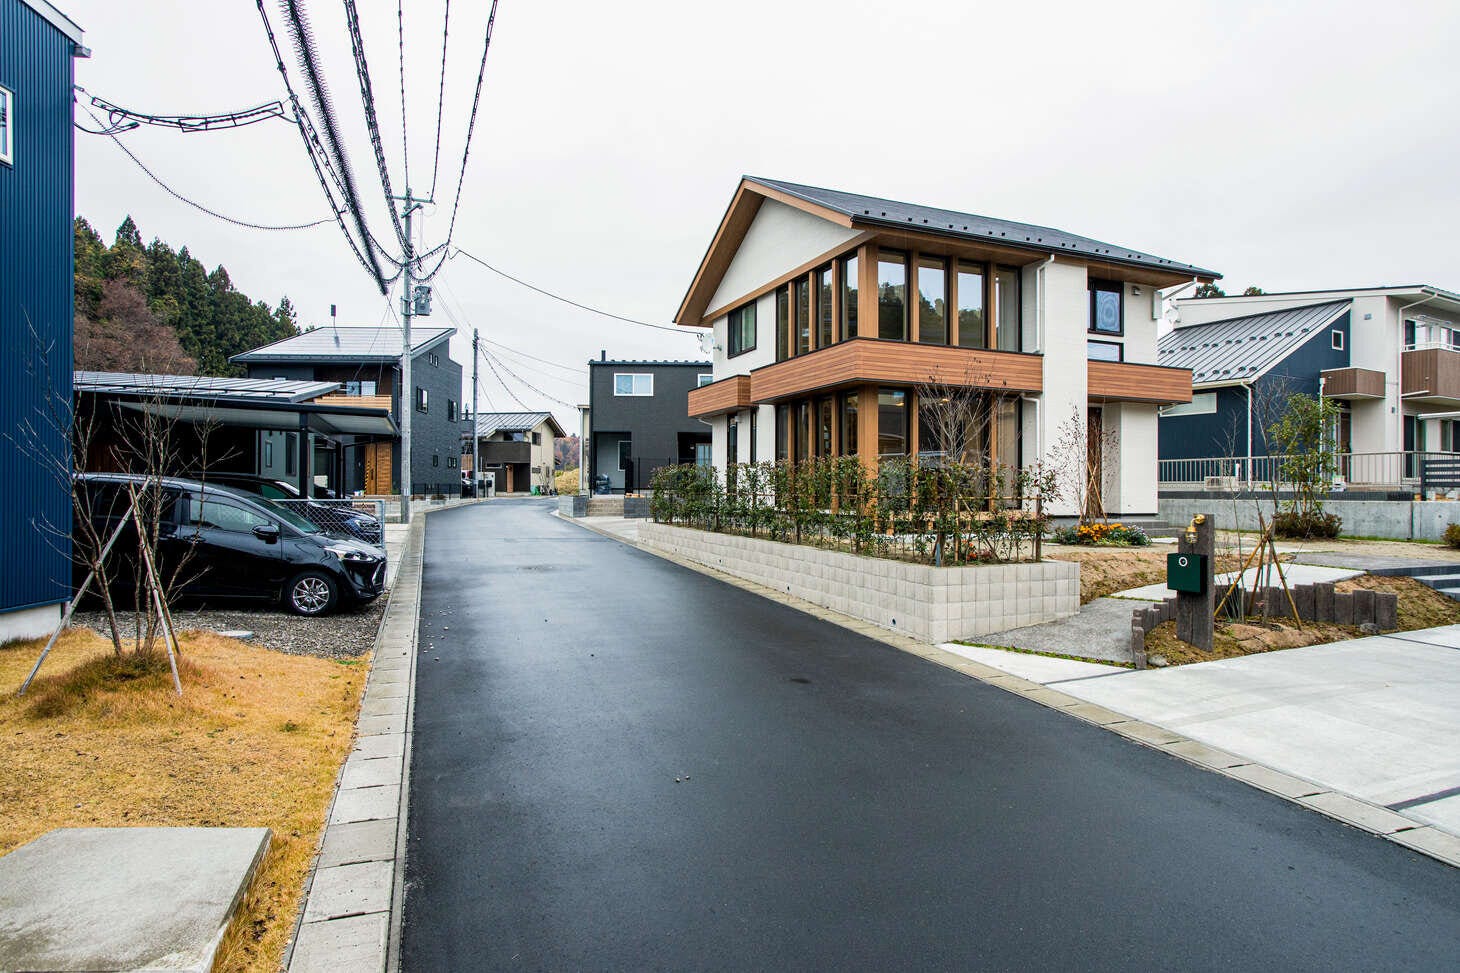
(268, 533)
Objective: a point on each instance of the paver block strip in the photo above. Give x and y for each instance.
(1358, 813)
(1272, 780)
(358, 841)
(352, 945)
(350, 890)
(366, 804)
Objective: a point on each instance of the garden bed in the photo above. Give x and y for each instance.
(256, 740)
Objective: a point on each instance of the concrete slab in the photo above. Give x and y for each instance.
(352, 945)
(1201, 753)
(366, 804)
(1443, 813)
(1439, 844)
(381, 746)
(1372, 718)
(1446, 635)
(1036, 668)
(1295, 574)
(358, 841)
(1268, 779)
(100, 899)
(378, 705)
(370, 772)
(1358, 813)
(1100, 630)
(350, 890)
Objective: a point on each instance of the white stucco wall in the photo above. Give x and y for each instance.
(1065, 398)
(780, 239)
(765, 340)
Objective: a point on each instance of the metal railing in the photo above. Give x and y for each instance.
(1395, 471)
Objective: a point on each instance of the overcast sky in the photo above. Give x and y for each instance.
(1293, 145)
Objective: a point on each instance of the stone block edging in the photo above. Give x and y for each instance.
(932, 603)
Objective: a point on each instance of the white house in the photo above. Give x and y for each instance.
(830, 309)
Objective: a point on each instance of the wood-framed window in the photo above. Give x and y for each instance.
(849, 423)
(892, 295)
(825, 307)
(803, 315)
(847, 267)
(972, 301)
(932, 284)
(1106, 307)
(783, 323)
(740, 330)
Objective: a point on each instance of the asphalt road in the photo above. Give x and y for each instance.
(621, 764)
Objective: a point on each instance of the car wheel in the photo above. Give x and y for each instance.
(312, 593)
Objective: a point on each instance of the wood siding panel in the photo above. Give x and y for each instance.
(1353, 383)
(726, 395)
(355, 401)
(1129, 382)
(1432, 373)
(863, 360)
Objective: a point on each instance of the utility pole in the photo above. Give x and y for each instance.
(408, 390)
(476, 364)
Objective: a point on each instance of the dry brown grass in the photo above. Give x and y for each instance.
(1106, 570)
(1419, 607)
(256, 740)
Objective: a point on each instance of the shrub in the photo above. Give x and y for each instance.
(1303, 525)
(1129, 536)
(1102, 534)
(1452, 535)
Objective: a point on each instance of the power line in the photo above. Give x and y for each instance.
(515, 351)
(183, 199)
(405, 152)
(513, 395)
(471, 125)
(558, 297)
(551, 398)
(372, 123)
(440, 98)
(125, 119)
(446, 306)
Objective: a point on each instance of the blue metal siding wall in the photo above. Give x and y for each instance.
(1213, 434)
(36, 287)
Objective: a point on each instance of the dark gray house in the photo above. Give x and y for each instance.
(365, 362)
(638, 419)
(37, 47)
(1243, 368)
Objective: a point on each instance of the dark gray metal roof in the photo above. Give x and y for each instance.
(490, 422)
(1241, 349)
(201, 386)
(353, 344)
(872, 210)
(650, 361)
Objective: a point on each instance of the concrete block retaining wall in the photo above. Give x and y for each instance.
(1316, 602)
(1420, 520)
(930, 603)
(573, 505)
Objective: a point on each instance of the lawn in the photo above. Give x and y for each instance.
(257, 739)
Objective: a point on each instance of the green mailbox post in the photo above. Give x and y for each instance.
(1187, 573)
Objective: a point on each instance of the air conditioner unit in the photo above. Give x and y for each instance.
(1218, 483)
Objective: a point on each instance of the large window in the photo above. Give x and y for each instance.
(849, 297)
(754, 415)
(803, 430)
(972, 327)
(1104, 351)
(891, 422)
(633, 383)
(360, 388)
(703, 379)
(741, 327)
(803, 316)
(825, 284)
(825, 416)
(892, 296)
(783, 432)
(625, 453)
(732, 441)
(1007, 330)
(7, 126)
(932, 300)
(783, 323)
(849, 424)
(1105, 316)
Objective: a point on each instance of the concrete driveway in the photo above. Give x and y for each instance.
(1378, 718)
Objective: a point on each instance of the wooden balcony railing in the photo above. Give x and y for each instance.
(868, 360)
(355, 401)
(1129, 382)
(726, 395)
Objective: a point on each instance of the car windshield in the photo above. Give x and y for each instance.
(286, 515)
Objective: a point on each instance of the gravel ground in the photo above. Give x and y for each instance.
(341, 635)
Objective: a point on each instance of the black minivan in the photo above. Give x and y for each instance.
(226, 544)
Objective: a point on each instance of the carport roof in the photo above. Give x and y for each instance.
(351, 344)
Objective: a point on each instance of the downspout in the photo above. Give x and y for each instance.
(1248, 387)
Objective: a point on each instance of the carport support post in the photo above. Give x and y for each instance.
(1195, 612)
(305, 454)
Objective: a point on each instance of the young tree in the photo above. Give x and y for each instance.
(1304, 436)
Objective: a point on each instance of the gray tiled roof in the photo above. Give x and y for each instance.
(344, 344)
(872, 210)
(1241, 349)
(201, 386)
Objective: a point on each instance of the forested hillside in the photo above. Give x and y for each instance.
(150, 309)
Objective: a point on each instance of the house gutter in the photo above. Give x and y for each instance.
(1248, 387)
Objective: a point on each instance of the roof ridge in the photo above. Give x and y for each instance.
(1255, 314)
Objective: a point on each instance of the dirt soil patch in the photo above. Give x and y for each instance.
(1106, 570)
(1419, 607)
(256, 740)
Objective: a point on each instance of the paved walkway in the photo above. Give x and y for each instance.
(621, 763)
(1099, 630)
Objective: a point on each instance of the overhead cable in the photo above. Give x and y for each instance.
(552, 398)
(558, 297)
(126, 119)
(372, 123)
(440, 98)
(405, 150)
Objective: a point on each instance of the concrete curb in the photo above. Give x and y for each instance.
(1363, 815)
(350, 915)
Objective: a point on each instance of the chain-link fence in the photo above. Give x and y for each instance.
(357, 518)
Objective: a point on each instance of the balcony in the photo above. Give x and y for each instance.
(356, 401)
(1353, 383)
(1129, 382)
(726, 395)
(1431, 375)
(871, 361)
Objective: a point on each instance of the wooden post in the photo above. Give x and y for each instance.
(1194, 612)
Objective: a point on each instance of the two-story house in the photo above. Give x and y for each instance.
(365, 362)
(829, 311)
(636, 420)
(37, 174)
(514, 448)
(1389, 356)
